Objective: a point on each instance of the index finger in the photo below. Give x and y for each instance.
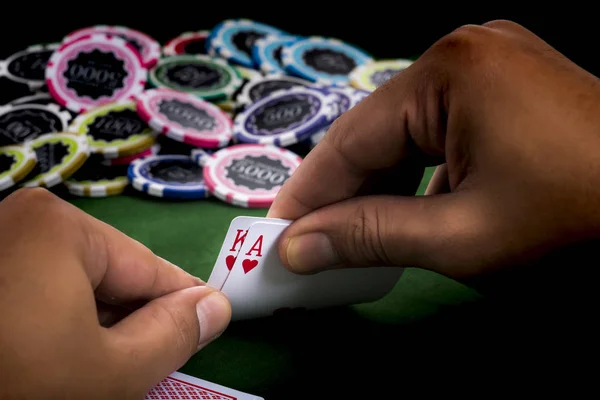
(374, 135)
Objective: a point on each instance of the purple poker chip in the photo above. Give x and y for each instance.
(287, 116)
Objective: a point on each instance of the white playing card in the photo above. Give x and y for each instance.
(182, 386)
(230, 248)
(259, 285)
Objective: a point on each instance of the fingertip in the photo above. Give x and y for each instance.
(214, 315)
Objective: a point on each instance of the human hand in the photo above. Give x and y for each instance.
(513, 125)
(64, 276)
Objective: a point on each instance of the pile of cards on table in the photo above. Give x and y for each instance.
(205, 115)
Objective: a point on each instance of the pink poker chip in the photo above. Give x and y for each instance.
(126, 160)
(249, 175)
(185, 118)
(94, 70)
(148, 47)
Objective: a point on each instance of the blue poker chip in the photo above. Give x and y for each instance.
(168, 176)
(348, 98)
(322, 60)
(266, 53)
(286, 116)
(233, 39)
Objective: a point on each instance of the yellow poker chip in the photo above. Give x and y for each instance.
(114, 130)
(59, 155)
(372, 75)
(15, 163)
(95, 179)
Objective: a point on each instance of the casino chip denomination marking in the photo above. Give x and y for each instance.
(322, 60)
(59, 155)
(28, 66)
(168, 176)
(15, 163)
(147, 47)
(185, 118)
(370, 76)
(249, 175)
(114, 130)
(286, 117)
(266, 53)
(95, 179)
(233, 39)
(258, 88)
(28, 121)
(187, 43)
(95, 70)
(203, 76)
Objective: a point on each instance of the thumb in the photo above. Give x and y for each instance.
(160, 337)
(432, 232)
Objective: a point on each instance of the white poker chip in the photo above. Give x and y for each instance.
(23, 122)
(28, 66)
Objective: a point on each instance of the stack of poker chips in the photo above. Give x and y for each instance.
(199, 117)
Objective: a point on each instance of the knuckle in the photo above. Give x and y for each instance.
(31, 197)
(469, 44)
(366, 235)
(501, 24)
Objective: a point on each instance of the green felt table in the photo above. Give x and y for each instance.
(273, 356)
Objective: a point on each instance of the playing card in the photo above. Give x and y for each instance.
(230, 248)
(259, 285)
(182, 386)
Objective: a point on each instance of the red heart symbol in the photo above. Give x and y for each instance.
(248, 265)
(229, 261)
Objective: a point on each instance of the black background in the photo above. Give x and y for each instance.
(384, 30)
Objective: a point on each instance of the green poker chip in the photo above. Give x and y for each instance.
(206, 77)
(15, 163)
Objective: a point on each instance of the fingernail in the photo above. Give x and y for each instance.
(214, 314)
(311, 252)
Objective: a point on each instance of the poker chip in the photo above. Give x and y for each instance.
(322, 60)
(95, 70)
(233, 39)
(126, 160)
(248, 73)
(185, 118)
(348, 97)
(43, 98)
(15, 163)
(114, 130)
(59, 155)
(28, 66)
(266, 53)
(168, 176)
(286, 117)
(20, 123)
(258, 88)
(249, 175)
(203, 76)
(370, 76)
(187, 43)
(147, 47)
(95, 179)
(200, 156)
